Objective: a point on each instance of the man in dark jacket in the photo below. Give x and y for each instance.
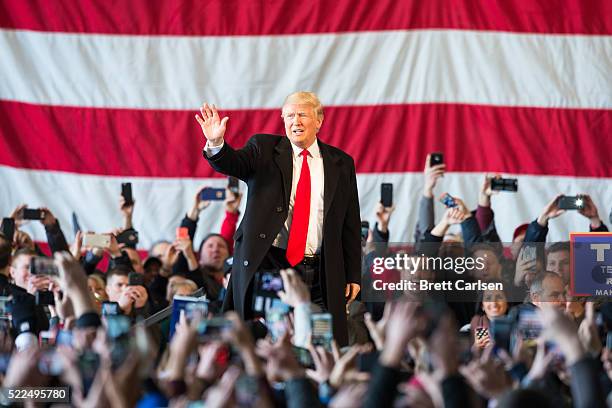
(302, 209)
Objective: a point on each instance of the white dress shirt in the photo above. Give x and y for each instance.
(315, 221)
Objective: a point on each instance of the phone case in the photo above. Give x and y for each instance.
(96, 240)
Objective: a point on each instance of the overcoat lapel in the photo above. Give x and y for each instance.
(331, 172)
(284, 161)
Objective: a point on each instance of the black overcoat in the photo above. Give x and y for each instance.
(265, 164)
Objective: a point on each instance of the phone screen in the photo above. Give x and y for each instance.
(126, 192)
(322, 333)
(501, 332)
(128, 237)
(481, 332)
(529, 253)
(4, 311)
(212, 194)
(504, 184)
(213, 328)
(8, 228)
(96, 240)
(386, 194)
(117, 326)
(529, 324)
(32, 214)
(233, 185)
(365, 229)
(448, 200)
(571, 203)
(191, 305)
(135, 279)
(275, 322)
(271, 281)
(609, 340)
(182, 233)
(43, 266)
(436, 158)
(110, 308)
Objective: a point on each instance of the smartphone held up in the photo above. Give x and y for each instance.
(570, 202)
(126, 193)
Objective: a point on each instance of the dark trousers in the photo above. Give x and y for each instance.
(309, 270)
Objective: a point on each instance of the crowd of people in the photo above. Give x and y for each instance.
(530, 343)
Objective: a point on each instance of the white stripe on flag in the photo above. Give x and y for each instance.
(242, 72)
(162, 202)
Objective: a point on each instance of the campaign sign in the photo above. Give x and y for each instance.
(591, 264)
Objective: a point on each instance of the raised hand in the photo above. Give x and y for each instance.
(541, 362)
(559, 328)
(212, 126)
(432, 174)
(23, 240)
(324, 364)
(523, 268)
(589, 210)
(383, 215)
(232, 201)
(351, 395)
(296, 292)
(139, 295)
(113, 249)
(184, 245)
(168, 258)
(208, 369)
(221, 394)
(282, 364)
(454, 216)
(49, 219)
(17, 214)
(403, 325)
(198, 206)
(127, 210)
(73, 283)
(551, 211)
(484, 196)
(377, 329)
(344, 370)
(486, 375)
(588, 331)
(77, 245)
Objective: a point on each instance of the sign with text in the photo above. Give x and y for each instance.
(591, 264)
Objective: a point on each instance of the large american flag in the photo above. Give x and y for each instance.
(98, 92)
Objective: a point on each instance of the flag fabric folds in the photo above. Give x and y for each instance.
(94, 93)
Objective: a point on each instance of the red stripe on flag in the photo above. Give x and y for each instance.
(385, 138)
(249, 17)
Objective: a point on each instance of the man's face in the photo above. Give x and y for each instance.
(115, 287)
(553, 293)
(559, 263)
(492, 267)
(214, 253)
(301, 124)
(20, 270)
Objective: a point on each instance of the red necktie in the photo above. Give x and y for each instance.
(298, 231)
